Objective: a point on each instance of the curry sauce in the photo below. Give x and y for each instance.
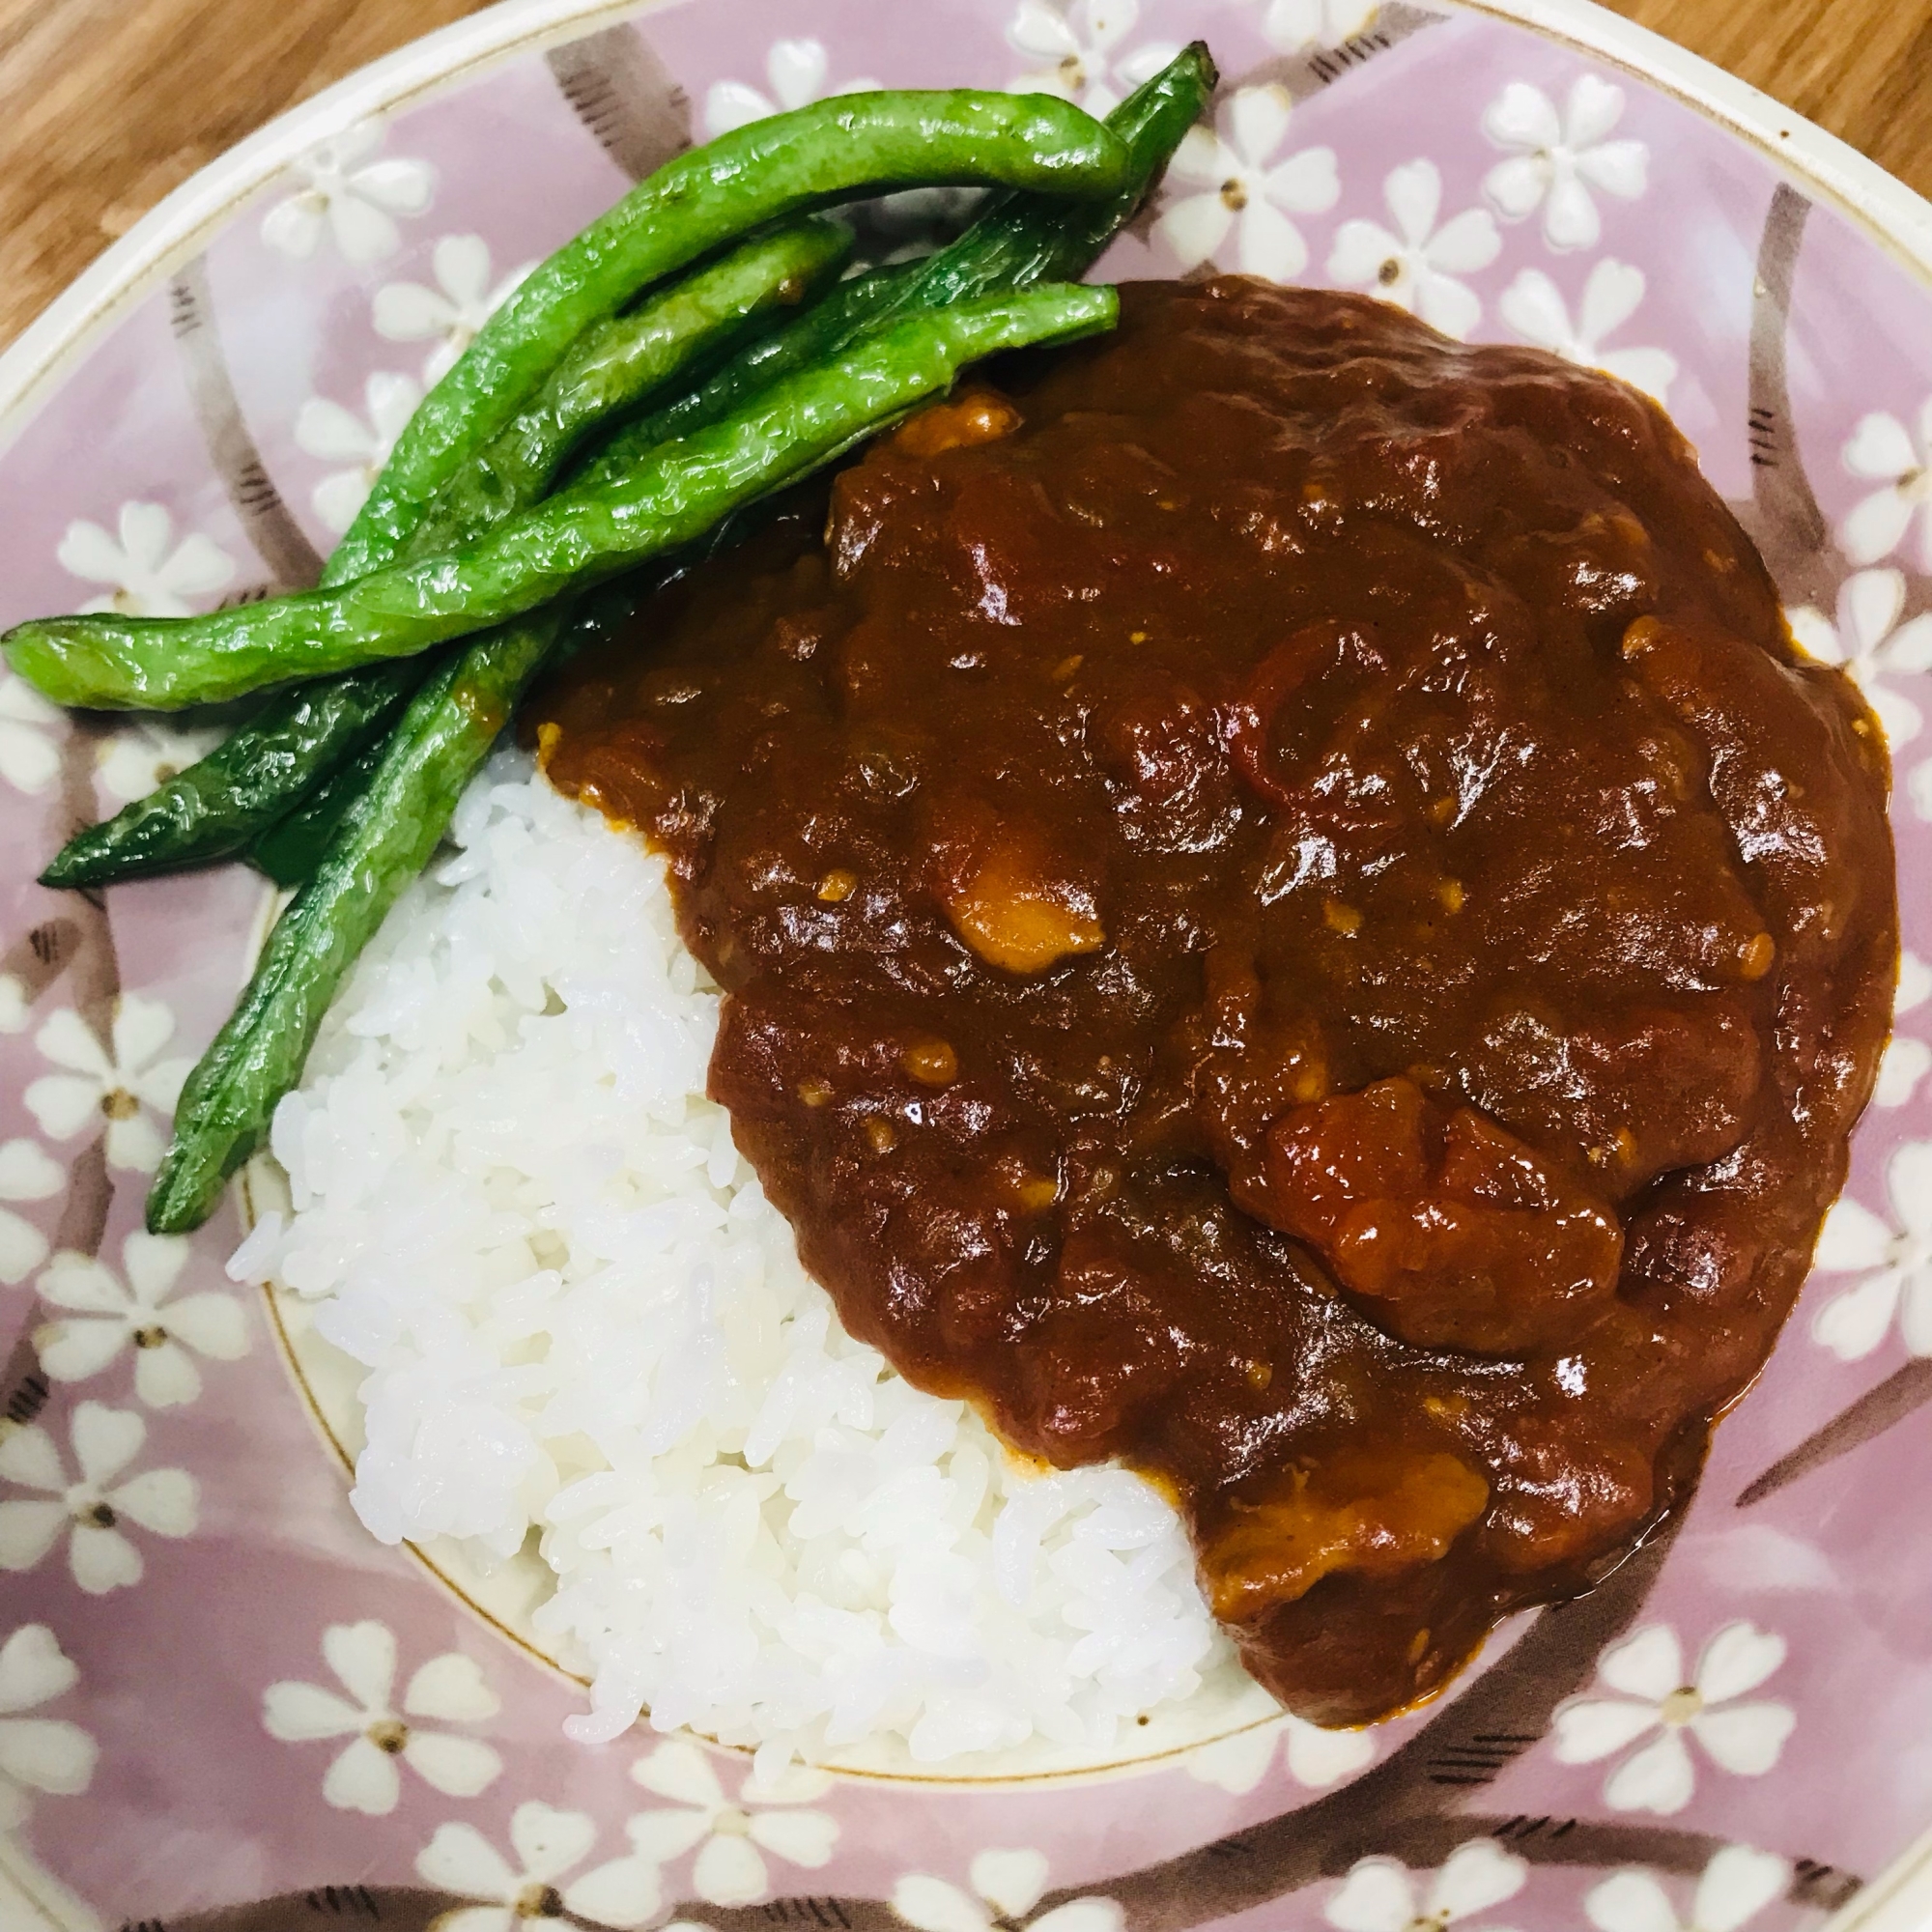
(1290, 916)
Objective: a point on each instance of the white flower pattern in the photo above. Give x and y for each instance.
(1246, 187)
(29, 757)
(362, 1777)
(1883, 451)
(730, 1839)
(1007, 1886)
(1315, 1758)
(147, 752)
(1733, 1887)
(1870, 643)
(118, 1085)
(150, 574)
(795, 72)
(1083, 46)
(90, 1508)
(448, 315)
(361, 443)
(27, 1172)
(1896, 1266)
(1907, 1059)
(45, 1754)
(1417, 266)
(349, 194)
(1655, 1695)
(1298, 26)
(1560, 159)
(104, 1314)
(548, 1844)
(1380, 1896)
(1534, 307)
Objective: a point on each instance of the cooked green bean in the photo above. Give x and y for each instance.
(572, 540)
(1018, 239)
(279, 758)
(211, 810)
(385, 838)
(831, 150)
(627, 358)
(392, 827)
(291, 849)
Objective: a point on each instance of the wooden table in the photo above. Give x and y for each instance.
(107, 104)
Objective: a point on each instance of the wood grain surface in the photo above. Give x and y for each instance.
(107, 104)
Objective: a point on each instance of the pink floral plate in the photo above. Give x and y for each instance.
(223, 1706)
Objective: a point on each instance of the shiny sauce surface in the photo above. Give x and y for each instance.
(1290, 916)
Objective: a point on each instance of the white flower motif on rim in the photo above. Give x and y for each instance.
(1244, 189)
(795, 72)
(1903, 1065)
(104, 1314)
(362, 1777)
(1296, 26)
(27, 1172)
(347, 193)
(14, 1004)
(153, 576)
(336, 435)
(1871, 644)
(1897, 1265)
(1735, 1887)
(1560, 159)
(1315, 1758)
(450, 314)
(29, 758)
(1536, 310)
(1647, 1669)
(1081, 43)
(524, 1897)
(45, 1754)
(147, 752)
(729, 1868)
(1380, 1896)
(163, 1502)
(1417, 266)
(1884, 451)
(114, 1084)
(1906, 1060)
(1007, 1886)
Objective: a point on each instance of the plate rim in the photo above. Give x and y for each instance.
(1894, 216)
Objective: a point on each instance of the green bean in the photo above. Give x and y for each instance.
(787, 164)
(385, 838)
(1018, 239)
(230, 799)
(572, 540)
(627, 358)
(390, 829)
(291, 849)
(210, 809)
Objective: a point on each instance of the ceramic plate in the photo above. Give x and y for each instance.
(222, 1705)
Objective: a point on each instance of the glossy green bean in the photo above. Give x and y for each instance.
(572, 540)
(628, 359)
(385, 838)
(391, 827)
(828, 152)
(231, 800)
(1018, 239)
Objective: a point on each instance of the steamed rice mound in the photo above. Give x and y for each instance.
(584, 1324)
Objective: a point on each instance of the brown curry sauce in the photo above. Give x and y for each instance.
(1292, 917)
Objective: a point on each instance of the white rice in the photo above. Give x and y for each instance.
(583, 1321)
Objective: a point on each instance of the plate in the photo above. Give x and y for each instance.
(222, 1705)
